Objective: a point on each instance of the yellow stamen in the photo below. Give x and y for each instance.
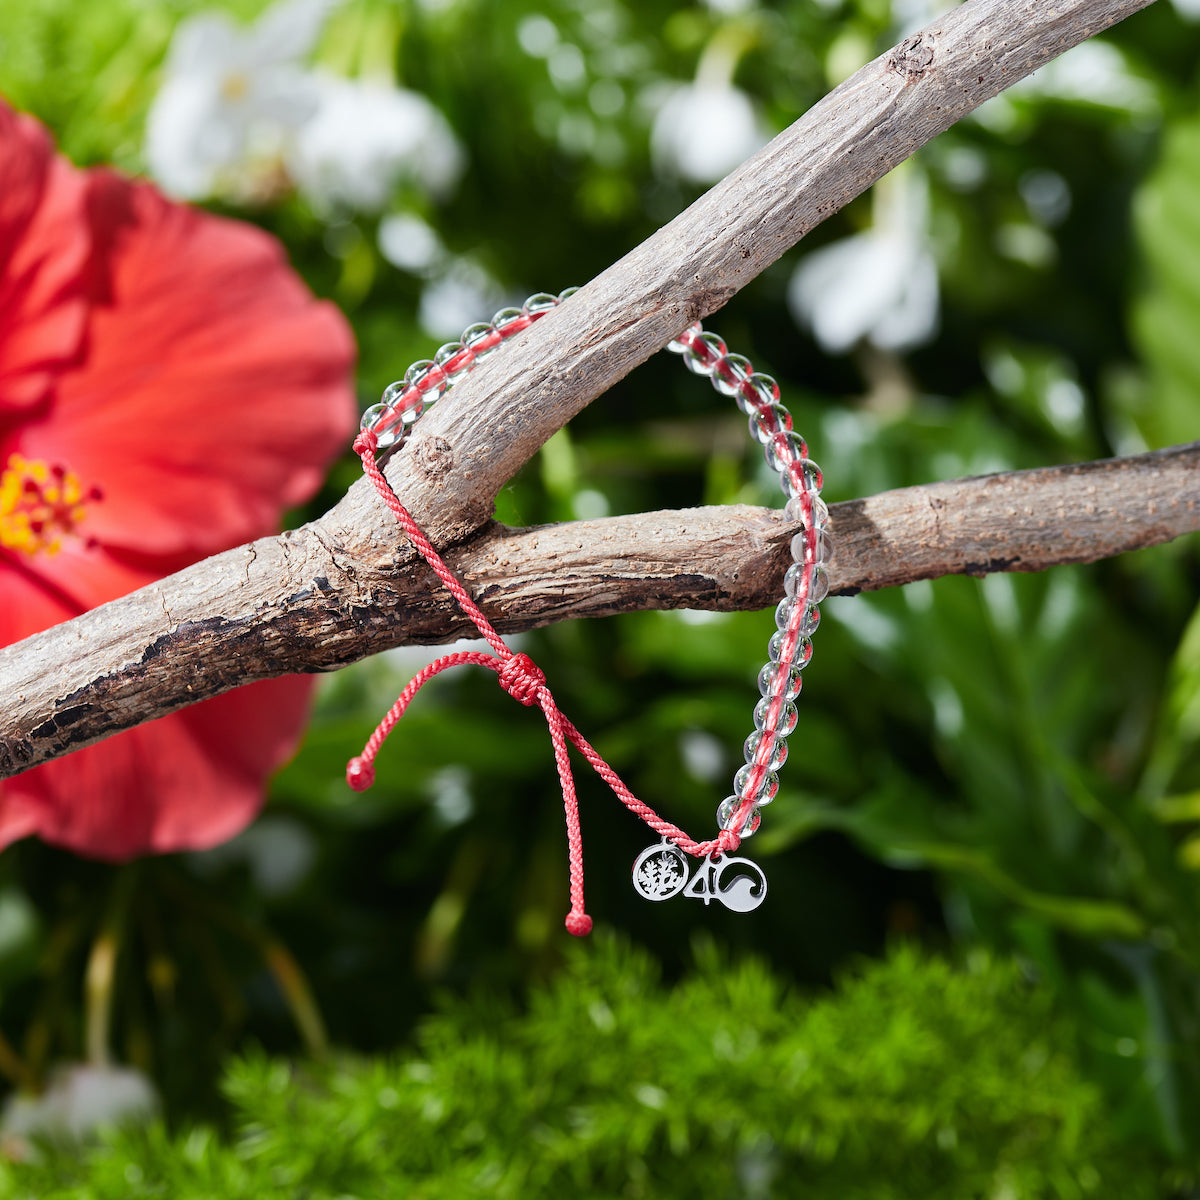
(40, 505)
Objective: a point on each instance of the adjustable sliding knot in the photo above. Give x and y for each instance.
(728, 842)
(521, 679)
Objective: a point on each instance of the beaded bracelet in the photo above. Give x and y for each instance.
(660, 871)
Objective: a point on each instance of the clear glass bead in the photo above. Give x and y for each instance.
(768, 786)
(683, 343)
(803, 476)
(822, 547)
(793, 510)
(418, 376)
(779, 751)
(566, 294)
(727, 815)
(794, 576)
(762, 388)
(765, 423)
(730, 373)
(455, 359)
(384, 438)
(477, 339)
(704, 353)
(394, 397)
(506, 317)
(784, 449)
(774, 680)
(818, 588)
(538, 303)
(800, 653)
(785, 722)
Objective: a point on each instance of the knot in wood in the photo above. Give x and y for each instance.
(912, 59)
(434, 457)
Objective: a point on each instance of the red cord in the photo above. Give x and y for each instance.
(521, 679)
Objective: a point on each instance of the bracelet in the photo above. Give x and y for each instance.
(660, 871)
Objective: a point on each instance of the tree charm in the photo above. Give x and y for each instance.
(660, 872)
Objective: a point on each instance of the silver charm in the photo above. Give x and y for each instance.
(660, 872)
(737, 883)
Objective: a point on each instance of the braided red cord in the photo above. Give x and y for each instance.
(521, 679)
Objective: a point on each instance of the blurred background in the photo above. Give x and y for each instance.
(978, 970)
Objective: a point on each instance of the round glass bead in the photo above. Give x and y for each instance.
(784, 449)
(818, 588)
(793, 577)
(779, 751)
(507, 317)
(730, 373)
(757, 391)
(478, 339)
(566, 294)
(727, 816)
(538, 303)
(768, 785)
(394, 397)
(785, 723)
(799, 654)
(803, 476)
(774, 679)
(683, 343)
(386, 437)
(793, 510)
(822, 547)
(418, 376)
(456, 360)
(704, 353)
(766, 422)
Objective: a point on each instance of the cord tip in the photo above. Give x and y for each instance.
(579, 924)
(359, 775)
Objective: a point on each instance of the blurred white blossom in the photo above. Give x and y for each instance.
(409, 243)
(79, 1100)
(464, 294)
(1188, 9)
(240, 115)
(231, 98)
(364, 137)
(703, 130)
(881, 285)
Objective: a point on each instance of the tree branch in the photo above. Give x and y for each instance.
(261, 610)
(346, 585)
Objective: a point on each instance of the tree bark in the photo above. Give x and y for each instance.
(264, 610)
(347, 585)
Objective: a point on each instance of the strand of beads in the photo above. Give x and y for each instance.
(427, 381)
(806, 583)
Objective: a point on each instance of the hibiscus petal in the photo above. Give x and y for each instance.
(215, 390)
(44, 244)
(187, 781)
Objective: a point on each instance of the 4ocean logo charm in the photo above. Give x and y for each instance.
(661, 871)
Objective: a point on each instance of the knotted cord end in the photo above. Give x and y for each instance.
(359, 773)
(578, 923)
(366, 442)
(728, 842)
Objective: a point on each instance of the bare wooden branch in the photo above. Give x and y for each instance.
(346, 585)
(269, 609)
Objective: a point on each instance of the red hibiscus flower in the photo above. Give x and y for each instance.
(167, 387)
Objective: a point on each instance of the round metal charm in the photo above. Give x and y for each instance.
(660, 872)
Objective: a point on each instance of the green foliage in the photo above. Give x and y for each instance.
(1009, 763)
(914, 1079)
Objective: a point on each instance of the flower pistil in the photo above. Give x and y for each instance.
(40, 505)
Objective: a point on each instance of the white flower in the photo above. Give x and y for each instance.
(79, 1100)
(364, 137)
(704, 130)
(881, 285)
(231, 98)
(409, 243)
(466, 293)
